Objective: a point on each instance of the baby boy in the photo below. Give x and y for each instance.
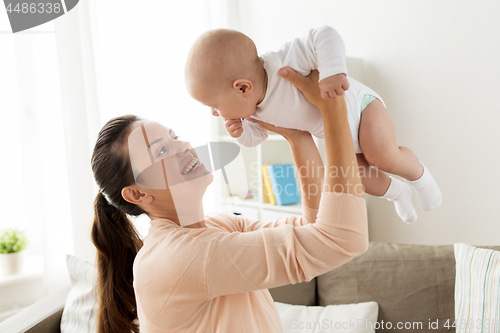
(225, 72)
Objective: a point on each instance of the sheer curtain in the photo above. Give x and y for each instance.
(61, 82)
(34, 180)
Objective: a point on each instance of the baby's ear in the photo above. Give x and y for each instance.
(244, 87)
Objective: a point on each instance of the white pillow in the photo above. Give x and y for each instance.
(80, 311)
(345, 318)
(477, 289)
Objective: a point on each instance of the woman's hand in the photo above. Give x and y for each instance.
(309, 86)
(287, 133)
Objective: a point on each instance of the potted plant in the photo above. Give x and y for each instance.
(12, 242)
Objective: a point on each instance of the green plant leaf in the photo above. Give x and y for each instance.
(12, 240)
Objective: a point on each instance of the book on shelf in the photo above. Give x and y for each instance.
(267, 190)
(283, 183)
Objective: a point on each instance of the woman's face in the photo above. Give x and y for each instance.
(160, 160)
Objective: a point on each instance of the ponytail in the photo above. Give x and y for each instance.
(113, 234)
(117, 243)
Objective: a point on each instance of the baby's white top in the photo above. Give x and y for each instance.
(284, 105)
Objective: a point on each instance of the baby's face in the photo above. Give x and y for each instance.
(230, 105)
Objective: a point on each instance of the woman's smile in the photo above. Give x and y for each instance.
(193, 165)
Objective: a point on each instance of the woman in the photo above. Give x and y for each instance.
(213, 275)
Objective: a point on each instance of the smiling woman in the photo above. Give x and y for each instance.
(130, 179)
(197, 273)
(177, 157)
(166, 164)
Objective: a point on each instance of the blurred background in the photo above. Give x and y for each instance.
(435, 64)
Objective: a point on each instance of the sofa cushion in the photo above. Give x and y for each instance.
(303, 293)
(411, 284)
(477, 289)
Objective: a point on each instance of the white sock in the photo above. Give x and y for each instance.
(429, 195)
(400, 193)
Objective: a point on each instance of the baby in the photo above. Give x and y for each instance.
(225, 72)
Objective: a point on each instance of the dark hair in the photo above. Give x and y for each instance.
(113, 234)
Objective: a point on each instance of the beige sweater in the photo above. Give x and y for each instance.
(215, 279)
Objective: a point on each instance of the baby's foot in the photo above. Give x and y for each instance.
(400, 194)
(429, 195)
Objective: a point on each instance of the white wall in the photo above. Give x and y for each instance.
(436, 64)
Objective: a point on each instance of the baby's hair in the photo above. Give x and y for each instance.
(220, 56)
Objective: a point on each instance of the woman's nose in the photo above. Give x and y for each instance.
(182, 148)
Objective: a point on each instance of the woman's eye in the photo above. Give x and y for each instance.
(162, 151)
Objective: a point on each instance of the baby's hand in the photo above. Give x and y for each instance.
(234, 127)
(333, 86)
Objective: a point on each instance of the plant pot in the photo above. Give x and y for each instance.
(11, 263)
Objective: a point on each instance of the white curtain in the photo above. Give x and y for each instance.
(61, 82)
(35, 192)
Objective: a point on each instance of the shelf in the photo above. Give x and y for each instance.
(32, 270)
(246, 203)
(295, 209)
(272, 152)
(10, 280)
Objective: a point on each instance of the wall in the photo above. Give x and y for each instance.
(436, 65)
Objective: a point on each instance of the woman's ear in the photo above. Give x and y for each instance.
(244, 87)
(136, 195)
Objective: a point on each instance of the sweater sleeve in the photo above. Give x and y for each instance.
(253, 134)
(322, 49)
(270, 257)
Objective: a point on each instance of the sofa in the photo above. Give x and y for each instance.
(411, 284)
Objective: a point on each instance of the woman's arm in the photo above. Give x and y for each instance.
(310, 169)
(307, 161)
(341, 166)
